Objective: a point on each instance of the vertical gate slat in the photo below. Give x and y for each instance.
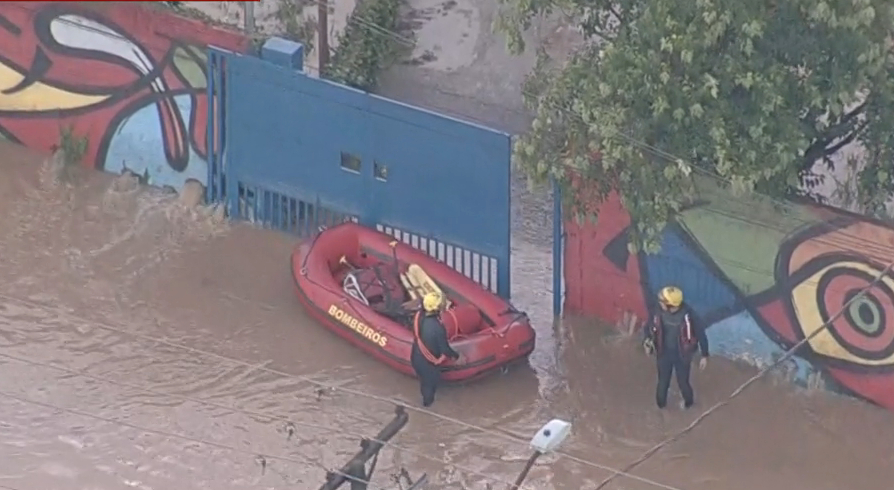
(295, 154)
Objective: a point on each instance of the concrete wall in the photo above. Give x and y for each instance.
(763, 277)
(130, 80)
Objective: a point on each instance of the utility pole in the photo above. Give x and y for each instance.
(249, 14)
(323, 30)
(355, 470)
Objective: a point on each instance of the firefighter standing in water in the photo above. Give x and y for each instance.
(430, 347)
(673, 335)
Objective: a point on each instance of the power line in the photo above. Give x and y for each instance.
(857, 240)
(407, 42)
(288, 422)
(399, 38)
(172, 435)
(789, 353)
(661, 153)
(503, 434)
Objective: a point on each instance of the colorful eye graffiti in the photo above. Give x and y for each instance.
(840, 297)
(812, 285)
(834, 292)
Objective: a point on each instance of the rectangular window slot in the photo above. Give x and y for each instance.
(350, 162)
(380, 170)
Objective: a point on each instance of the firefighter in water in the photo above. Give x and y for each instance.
(673, 335)
(430, 347)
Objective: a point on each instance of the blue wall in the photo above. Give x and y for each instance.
(446, 179)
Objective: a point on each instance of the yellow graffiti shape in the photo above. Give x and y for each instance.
(40, 96)
(863, 324)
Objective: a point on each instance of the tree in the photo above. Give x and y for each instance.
(758, 92)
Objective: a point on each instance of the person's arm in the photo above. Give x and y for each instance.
(444, 345)
(698, 328)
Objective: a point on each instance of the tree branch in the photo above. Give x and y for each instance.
(614, 11)
(847, 140)
(847, 127)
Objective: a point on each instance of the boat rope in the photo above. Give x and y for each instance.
(504, 434)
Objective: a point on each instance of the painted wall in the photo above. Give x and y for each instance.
(762, 276)
(130, 80)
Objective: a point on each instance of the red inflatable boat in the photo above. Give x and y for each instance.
(366, 287)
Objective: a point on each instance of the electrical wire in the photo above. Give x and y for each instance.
(656, 152)
(397, 37)
(503, 434)
(270, 417)
(407, 42)
(173, 435)
(760, 374)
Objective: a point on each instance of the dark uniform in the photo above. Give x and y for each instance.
(433, 335)
(675, 336)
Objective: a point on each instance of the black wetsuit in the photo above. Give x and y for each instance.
(433, 334)
(674, 348)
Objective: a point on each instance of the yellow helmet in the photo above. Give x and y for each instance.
(431, 302)
(671, 296)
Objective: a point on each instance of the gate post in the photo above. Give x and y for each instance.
(212, 190)
(558, 249)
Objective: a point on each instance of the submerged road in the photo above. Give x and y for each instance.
(146, 345)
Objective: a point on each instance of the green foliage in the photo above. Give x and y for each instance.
(367, 46)
(295, 25)
(72, 146)
(758, 93)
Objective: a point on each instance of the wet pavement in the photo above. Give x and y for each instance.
(120, 310)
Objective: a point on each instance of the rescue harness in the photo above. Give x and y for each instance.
(688, 340)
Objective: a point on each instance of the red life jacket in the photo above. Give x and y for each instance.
(688, 340)
(422, 348)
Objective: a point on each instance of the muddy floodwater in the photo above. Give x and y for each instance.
(120, 310)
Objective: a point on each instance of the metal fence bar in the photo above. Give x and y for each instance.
(478, 267)
(558, 250)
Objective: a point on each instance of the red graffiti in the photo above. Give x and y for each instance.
(89, 69)
(811, 287)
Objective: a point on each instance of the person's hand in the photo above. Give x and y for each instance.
(703, 363)
(648, 347)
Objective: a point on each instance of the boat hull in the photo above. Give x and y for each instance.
(506, 337)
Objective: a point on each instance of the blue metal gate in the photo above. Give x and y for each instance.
(292, 152)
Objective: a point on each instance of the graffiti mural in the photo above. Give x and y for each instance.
(763, 278)
(131, 81)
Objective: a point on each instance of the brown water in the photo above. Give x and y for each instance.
(101, 252)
